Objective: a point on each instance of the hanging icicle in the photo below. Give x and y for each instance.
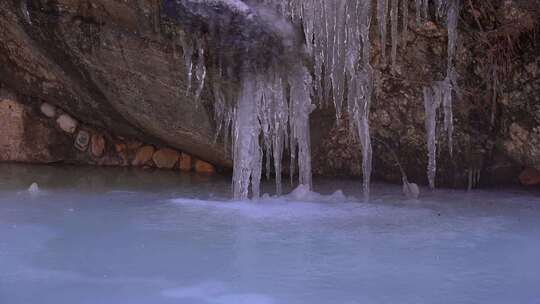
(425, 10)
(382, 13)
(187, 48)
(418, 10)
(405, 21)
(200, 73)
(394, 14)
(24, 11)
(442, 92)
(431, 103)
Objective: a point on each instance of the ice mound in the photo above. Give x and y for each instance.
(33, 189)
(303, 194)
(300, 204)
(411, 190)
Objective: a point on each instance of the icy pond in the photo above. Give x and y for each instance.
(112, 236)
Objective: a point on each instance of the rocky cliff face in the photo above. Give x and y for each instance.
(103, 62)
(117, 67)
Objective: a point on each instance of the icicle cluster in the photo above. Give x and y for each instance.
(440, 92)
(337, 37)
(269, 113)
(262, 109)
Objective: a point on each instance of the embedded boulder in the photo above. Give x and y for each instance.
(165, 158)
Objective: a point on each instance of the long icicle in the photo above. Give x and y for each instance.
(382, 13)
(431, 103)
(394, 14)
(405, 21)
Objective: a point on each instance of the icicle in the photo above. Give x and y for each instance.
(301, 108)
(200, 73)
(431, 103)
(425, 10)
(309, 19)
(441, 92)
(360, 78)
(24, 11)
(366, 85)
(439, 8)
(246, 149)
(405, 20)
(338, 60)
(188, 60)
(418, 10)
(394, 28)
(156, 14)
(280, 121)
(451, 23)
(382, 12)
(262, 109)
(448, 116)
(450, 82)
(328, 45)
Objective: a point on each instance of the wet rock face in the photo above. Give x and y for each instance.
(117, 66)
(496, 119)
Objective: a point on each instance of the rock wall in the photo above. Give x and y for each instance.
(46, 134)
(24, 137)
(117, 68)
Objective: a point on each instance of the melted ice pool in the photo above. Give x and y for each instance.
(112, 236)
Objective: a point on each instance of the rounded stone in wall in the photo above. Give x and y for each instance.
(97, 146)
(185, 162)
(48, 110)
(144, 154)
(204, 167)
(165, 158)
(82, 140)
(67, 123)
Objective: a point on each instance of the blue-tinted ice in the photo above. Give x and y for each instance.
(112, 236)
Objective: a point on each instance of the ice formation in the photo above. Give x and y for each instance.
(405, 19)
(411, 190)
(440, 92)
(24, 11)
(268, 112)
(394, 13)
(382, 13)
(33, 189)
(262, 110)
(338, 37)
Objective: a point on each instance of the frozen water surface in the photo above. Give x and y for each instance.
(118, 236)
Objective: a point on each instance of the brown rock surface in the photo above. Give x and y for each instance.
(97, 146)
(25, 138)
(165, 158)
(144, 154)
(185, 162)
(204, 167)
(104, 63)
(530, 177)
